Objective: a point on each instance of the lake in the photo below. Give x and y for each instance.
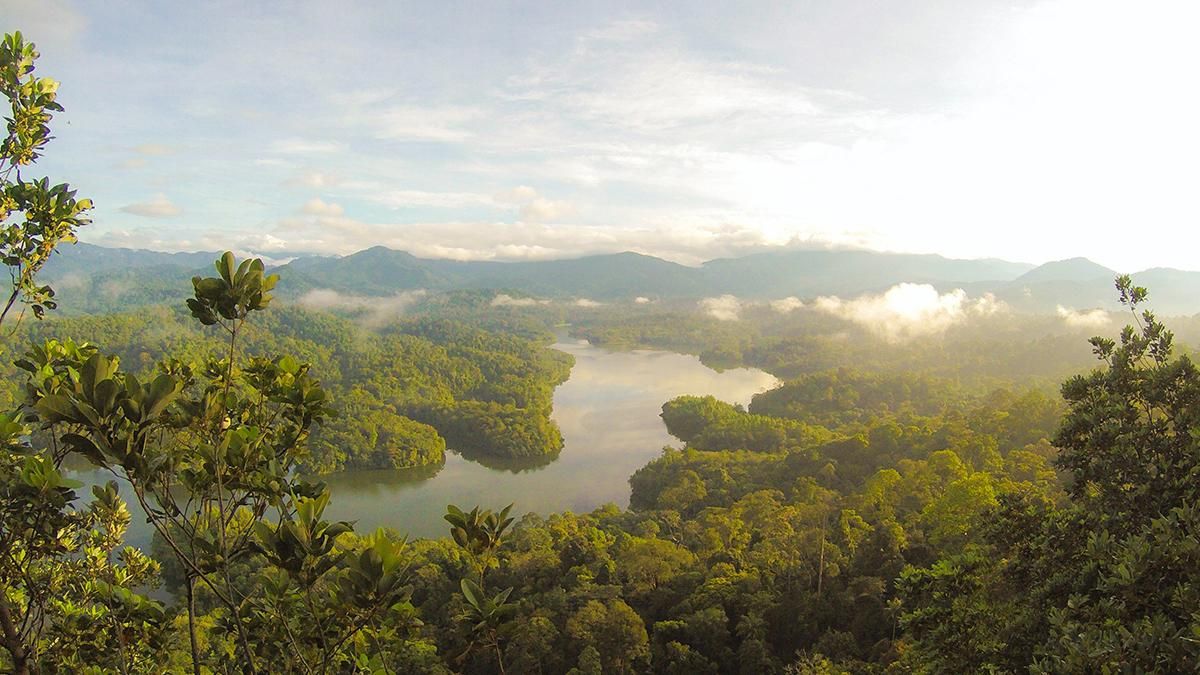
(608, 411)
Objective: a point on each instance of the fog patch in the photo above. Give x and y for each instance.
(723, 307)
(910, 310)
(373, 311)
(1093, 318)
(70, 282)
(114, 288)
(269, 261)
(786, 305)
(506, 300)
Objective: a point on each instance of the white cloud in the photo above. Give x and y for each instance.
(1094, 318)
(909, 310)
(987, 305)
(587, 302)
(646, 87)
(157, 207)
(723, 307)
(534, 208)
(505, 300)
(309, 179)
(268, 260)
(957, 121)
(786, 305)
(374, 311)
(642, 300)
(318, 207)
(542, 210)
(794, 159)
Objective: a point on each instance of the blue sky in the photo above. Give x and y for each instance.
(507, 130)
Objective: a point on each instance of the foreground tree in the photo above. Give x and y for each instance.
(35, 216)
(480, 533)
(66, 598)
(1131, 442)
(1109, 582)
(210, 452)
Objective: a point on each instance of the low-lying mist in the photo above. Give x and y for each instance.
(371, 311)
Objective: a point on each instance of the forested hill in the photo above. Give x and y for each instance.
(97, 279)
(402, 393)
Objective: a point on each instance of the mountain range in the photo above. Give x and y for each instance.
(138, 276)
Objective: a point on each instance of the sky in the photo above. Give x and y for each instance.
(1024, 130)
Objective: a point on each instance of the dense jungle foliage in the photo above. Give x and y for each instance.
(402, 392)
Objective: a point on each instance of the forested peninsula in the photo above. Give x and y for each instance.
(403, 392)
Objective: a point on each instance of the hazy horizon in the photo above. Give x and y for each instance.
(283, 257)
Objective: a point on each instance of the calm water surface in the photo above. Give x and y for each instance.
(609, 415)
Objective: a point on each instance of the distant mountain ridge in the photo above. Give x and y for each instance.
(1076, 283)
(1071, 269)
(379, 271)
(614, 276)
(84, 258)
(847, 272)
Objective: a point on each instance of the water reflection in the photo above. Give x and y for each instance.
(381, 481)
(608, 412)
(509, 464)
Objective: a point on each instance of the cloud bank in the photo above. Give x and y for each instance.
(723, 307)
(730, 307)
(786, 305)
(506, 300)
(373, 311)
(1094, 318)
(909, 310)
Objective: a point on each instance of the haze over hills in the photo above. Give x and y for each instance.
(822, 272)
(1071, 269)
(1075, 283)
(618, 275)
(86, 259)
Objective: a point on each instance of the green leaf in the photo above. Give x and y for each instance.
(225, 267)
(472, 592)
